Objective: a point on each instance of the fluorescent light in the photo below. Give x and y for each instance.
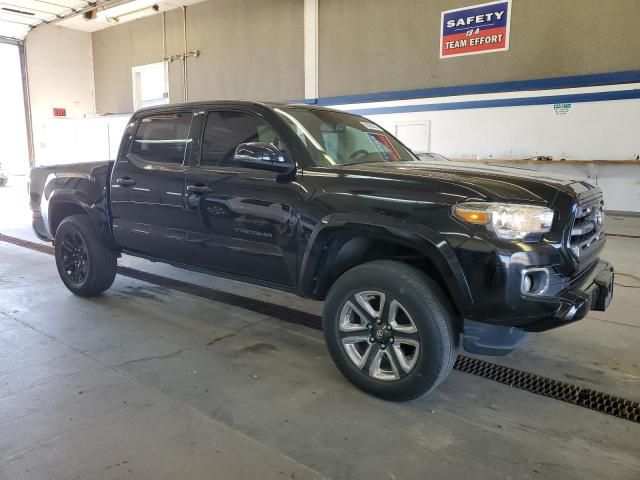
(128, 12)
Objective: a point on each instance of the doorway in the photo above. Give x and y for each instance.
(14, 150)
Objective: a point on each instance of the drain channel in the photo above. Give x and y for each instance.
(547, 387)
(622, 235)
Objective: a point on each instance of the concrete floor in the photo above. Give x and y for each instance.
(149, 383)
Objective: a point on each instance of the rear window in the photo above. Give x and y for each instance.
(163, 138)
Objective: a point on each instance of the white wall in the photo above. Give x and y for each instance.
(588, 131)
(603, 130)
(60, 65)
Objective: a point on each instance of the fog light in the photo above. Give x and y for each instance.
(535, 281)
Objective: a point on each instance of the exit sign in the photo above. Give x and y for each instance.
(59, 112)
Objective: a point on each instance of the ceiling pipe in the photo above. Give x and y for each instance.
(184, 60)
(164, 54)
(181, 56)
(26, 98)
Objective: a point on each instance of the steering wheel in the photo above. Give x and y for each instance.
(358, 153)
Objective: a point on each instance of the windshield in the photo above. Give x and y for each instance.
(337, 138)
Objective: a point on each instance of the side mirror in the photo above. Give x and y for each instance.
(262, 156)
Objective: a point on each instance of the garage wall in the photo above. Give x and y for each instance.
(255, 49)
(369, 46)
(60, 68)
(394, 45)
(597, 130)
(115, 51)
(257, 55)
(564, 123)
(365, 46)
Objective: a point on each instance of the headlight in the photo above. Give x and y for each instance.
(508, 221)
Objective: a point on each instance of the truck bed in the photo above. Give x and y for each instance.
(45, 180)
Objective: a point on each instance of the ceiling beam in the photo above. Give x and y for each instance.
(8, 20)
(10, 40)
(11, 5)
(88, 6)
(66, 7)
(70, 12)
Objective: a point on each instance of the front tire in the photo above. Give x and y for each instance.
(390, 330)
(86, 266)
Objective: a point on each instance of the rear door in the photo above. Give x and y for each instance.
(148, 186)
(242, 221)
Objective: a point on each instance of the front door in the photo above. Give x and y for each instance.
(148, 187)
(242, 221)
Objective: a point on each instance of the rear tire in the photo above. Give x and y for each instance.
(86, 266)
(390, 330)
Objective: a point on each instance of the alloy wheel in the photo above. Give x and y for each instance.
(75, 257)
(378, 335)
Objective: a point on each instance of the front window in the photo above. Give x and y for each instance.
(225, 130)
(337, 138)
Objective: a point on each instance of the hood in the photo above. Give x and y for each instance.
(486, 182)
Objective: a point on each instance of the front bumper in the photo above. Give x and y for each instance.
(593, 291)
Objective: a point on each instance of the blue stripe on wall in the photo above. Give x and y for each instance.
(504, 102)
(597, 79)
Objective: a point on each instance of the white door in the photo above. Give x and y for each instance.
(414, 135)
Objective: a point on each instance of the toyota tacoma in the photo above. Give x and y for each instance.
(413, 259)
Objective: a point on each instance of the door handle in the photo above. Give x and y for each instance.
(198, 189)
(126, 182)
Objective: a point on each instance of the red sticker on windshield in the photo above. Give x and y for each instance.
(384, 146)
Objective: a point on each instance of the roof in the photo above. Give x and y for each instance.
(247, 103)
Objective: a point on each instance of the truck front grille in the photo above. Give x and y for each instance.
(587, 232)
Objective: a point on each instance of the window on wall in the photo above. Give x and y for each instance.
(150, 85)
(225, 130)
(163, 138)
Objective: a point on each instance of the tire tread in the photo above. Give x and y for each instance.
(103, 261)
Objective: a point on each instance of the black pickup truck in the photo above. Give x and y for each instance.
(410, 257)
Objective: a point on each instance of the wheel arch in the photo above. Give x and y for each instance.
(66, 202)
(60, 210)
(340, 243)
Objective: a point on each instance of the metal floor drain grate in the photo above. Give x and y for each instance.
(547, 387)
(529, 382)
